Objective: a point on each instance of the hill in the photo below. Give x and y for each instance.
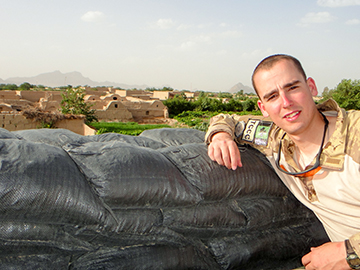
(56, 79)
(239, 86)
(75, 78)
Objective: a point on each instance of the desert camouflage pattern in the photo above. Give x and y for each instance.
(340, 162)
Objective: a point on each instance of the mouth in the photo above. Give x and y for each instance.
(292, 116)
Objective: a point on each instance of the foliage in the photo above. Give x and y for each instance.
(165, 88)
(73, 103)
(346, 94)
(240, 95)
(204, 102)
(26, 86)
(249, 104)
(130, 128)
(224, 95)
(8, 87)
(200, 120)
(178, 104)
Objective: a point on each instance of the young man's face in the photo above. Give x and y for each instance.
(286, 96)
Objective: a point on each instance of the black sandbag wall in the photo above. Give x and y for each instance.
(155, 201)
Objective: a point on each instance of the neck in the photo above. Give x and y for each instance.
(309, 141)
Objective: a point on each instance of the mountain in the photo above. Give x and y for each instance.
(239, 86)
(56, 79)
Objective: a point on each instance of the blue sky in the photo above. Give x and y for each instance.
(195, 45)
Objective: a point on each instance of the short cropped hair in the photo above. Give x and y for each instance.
(268, 62)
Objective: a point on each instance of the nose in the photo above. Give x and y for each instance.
(286, 100)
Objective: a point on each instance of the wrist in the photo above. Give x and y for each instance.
(352, 258)
(221, 135)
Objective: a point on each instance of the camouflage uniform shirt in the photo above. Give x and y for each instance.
(333, 193)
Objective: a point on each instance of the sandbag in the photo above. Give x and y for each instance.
(146, 257)
(124, 174)
(5, 134)
(216, 182)
(268, 248)
(231, 217)
(56, 137)
(171, 136)
(138, 220)
(41, 183)
(151, 202)
(134, 140)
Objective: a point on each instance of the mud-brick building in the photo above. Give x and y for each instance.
(164, 95)
(114, 111)
(14, 121)
(50, 102)
(109, 107)
(109, 104)
(12, 101)
(143, 109)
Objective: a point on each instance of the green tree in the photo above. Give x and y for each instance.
(25, 86)
(233, 105)
(8, 87)
(240, 95)
(346, 94)
(73, 103)
(250, 104)
(178, 104)
(225, 95)
(166, 88)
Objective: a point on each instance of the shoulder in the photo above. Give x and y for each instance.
(352, 129)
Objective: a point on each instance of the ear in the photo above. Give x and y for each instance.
(312, 86)
(262, 108)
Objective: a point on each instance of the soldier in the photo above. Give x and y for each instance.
(315, 150)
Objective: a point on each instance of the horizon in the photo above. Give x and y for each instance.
(201, 45)
(21, 80)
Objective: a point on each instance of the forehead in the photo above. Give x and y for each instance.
(280, 74)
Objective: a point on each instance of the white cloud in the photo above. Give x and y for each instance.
(204, 25)
(257, 53)
(187, 46)
(353, 22)
(93, 16)
(338, 3)
(165, 23)
(194, 42)
(320, 17)
(231, 34)
(221, 52)
(184, 27)
(203, 38)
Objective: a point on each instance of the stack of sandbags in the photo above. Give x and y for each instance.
(155, 201)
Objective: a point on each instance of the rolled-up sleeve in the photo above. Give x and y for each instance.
(355, 243)
(223, 123)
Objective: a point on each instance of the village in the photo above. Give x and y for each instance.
(110, 105)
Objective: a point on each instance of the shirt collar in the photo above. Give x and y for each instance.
(333, 153)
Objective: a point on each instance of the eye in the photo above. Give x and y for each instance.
(293, 87)
(273, 96)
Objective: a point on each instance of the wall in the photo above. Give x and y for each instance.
(16, 121)
(125, 109)
(162, 95)
(114, 111)
(9, 94)
(145, 109)
(33, 96)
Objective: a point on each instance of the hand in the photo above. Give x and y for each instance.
(329, 256)
(224, 151)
